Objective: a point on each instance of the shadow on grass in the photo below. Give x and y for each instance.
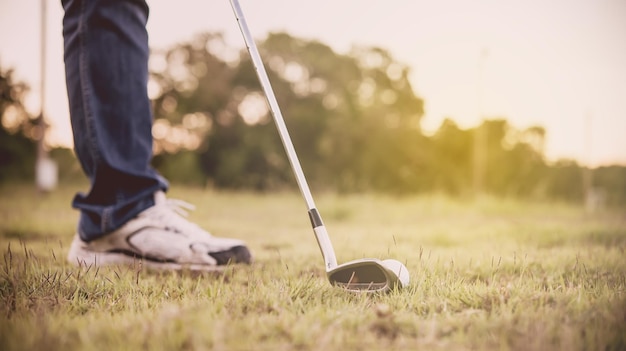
(23, 235)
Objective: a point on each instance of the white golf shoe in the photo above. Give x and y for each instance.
(162, 238)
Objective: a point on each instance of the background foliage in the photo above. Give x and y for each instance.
(354, 119)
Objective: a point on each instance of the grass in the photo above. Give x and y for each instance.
(490, 274)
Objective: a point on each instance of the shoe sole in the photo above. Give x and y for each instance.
(80, 257)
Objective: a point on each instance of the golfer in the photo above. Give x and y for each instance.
(125, 216)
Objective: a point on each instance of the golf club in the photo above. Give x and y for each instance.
(363, 275)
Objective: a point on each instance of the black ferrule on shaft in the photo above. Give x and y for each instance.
(316, 220)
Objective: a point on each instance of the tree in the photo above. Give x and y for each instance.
(17, 149)
(354, 120)
(355, 117)
(611, 182)
(355, 114)
(452, 164)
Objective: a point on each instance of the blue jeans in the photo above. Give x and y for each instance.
(106, 64)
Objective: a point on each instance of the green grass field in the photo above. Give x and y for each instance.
(490, 274)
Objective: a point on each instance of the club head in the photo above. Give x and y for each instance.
(369, 275)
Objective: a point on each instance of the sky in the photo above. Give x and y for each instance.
(560, 64)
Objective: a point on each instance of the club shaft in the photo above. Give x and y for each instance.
(320, 231)
(274, 108)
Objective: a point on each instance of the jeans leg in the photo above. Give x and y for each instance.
(106, 64)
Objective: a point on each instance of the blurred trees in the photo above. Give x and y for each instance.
(611, 181)
(17, 148)
(354, 120)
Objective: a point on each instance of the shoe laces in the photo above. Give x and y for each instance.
(172, 214)
(181, 207)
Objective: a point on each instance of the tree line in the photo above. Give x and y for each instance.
(354, 120)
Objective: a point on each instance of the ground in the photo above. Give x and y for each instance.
(486, 274)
